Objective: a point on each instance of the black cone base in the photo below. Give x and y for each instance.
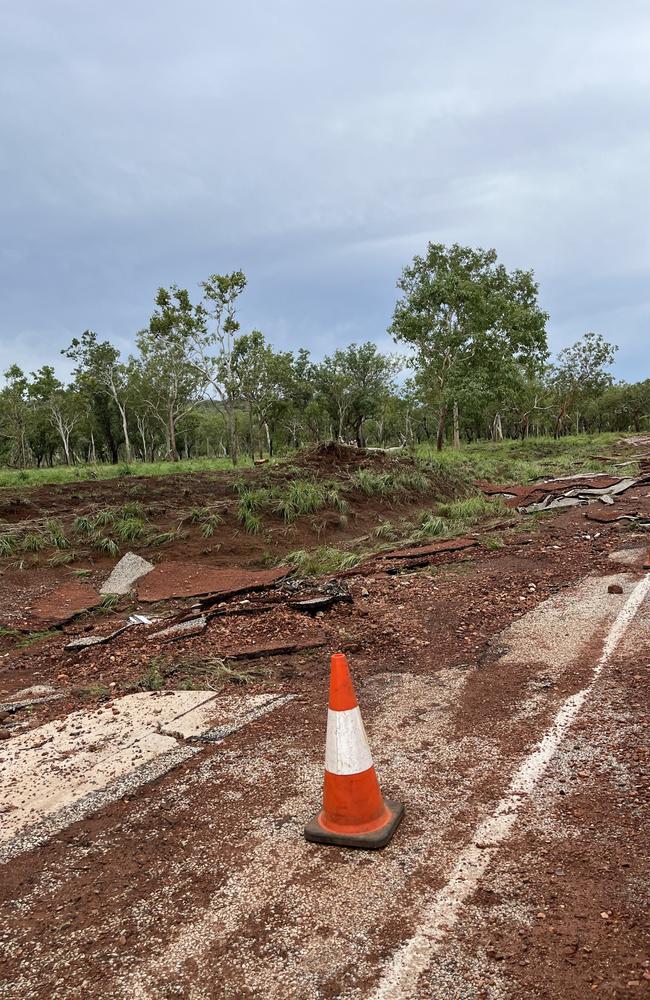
(372, 841)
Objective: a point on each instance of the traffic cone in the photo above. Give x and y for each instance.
(354, 814)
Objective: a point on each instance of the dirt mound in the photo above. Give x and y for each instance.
(333, 455)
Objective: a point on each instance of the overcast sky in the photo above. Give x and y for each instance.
(319, 146)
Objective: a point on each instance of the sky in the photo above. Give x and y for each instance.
(318, 147)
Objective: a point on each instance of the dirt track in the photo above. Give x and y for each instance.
(199, 884)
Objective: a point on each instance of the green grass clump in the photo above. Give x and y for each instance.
(430, 526)
(53, 531)
(250, 522)
(63, 558)
(385, 531)
(210, 524)
(84, 525)
(34, 541)
(129, 529)
(304, 496)
(324, 559)
(384, 484)
(104, 544)
(33, 637)
(8, 544)
(92, 691)
(207, 518)
(166, 537)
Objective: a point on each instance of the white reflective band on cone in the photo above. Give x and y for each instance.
(346, 749)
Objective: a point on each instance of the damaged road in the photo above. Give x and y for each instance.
(152, 840)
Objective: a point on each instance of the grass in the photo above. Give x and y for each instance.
(93, 691)
(192, 673)
(522, 461)
(129, 529)
(8, 544)
(79, 473)
(33, 637)
(382, 484)
(34, 541)
(323, 559)
(207, 518)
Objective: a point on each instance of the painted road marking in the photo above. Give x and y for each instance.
(400, 978)
(63, 771)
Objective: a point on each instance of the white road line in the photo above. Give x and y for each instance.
(401, 975)
(128, 783)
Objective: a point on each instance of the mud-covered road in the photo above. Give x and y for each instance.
(506, 702)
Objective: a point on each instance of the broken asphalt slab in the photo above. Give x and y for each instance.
(63, 603)
(451, 545)
(260, 649)
(125, 574)
(184, 579)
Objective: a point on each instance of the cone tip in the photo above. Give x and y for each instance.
(342, 696)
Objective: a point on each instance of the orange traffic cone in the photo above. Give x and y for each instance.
(354, 814)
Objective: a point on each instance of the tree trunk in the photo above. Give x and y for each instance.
(497, 429)
(232, 432)
(268, 439)
(250, 430)
(442, 418)
(456, 426)
(125, 431)
(171, 432)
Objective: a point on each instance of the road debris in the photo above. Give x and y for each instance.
(432, 549)
(183, 579)
(64, 603)
(259, 649)
(125, 574)
(568, 491)
(183, 630)
(87, 641)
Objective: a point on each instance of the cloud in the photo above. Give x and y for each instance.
(318, 148)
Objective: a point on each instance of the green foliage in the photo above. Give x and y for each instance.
(91, 692)
(210, 524)
(129, 529)
(303, 496)
(34, 541)
(104, 544)
(53, 530)
(384, 484)
(321, 560)
(166, 537)
(385, 531)
(251, 522)
(63, 558)
(8, 544)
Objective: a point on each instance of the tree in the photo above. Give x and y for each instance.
(62, 405)
(262, 376)
(14, 409)
(99, 367)
(357, 380)
(211, 344)
(171, 386)
(460, 310)
(580, 373)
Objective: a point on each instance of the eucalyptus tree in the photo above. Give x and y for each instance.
(579, 374)
(263, 377)
(171, 385)
(99, 372)
(62, 404)
(211, 342)
(461, 310)
(14, 417)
